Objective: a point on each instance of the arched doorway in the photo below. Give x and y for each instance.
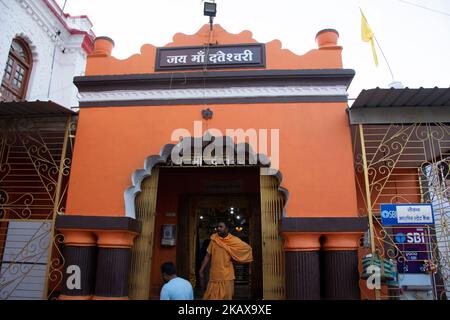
(262, 211)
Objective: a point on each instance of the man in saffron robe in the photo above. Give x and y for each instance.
(223, 249)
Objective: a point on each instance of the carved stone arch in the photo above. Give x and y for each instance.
(164, 159)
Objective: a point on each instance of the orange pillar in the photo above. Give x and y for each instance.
(321, 257)
(340, 266)
(302, 265)
(99, 249)
(80, 255)
(113, 266)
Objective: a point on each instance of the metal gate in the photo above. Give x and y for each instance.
(401, 164)
(35, 159)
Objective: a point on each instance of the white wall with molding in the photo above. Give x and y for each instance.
(58, 53)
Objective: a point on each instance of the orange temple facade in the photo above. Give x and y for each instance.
(122, 172)
(218, 127)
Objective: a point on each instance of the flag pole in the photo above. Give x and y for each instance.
(385, 59)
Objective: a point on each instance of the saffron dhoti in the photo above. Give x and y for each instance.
(223, 252)
(219, 290)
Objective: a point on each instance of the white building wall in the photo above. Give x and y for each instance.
(57, 59)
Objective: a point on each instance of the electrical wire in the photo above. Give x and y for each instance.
(53, 64)
(426, 8)
(205, 68)
(64, 7)
(57, 35)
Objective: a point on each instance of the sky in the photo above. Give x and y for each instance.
(415, 40)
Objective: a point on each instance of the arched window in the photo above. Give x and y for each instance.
(17, 72)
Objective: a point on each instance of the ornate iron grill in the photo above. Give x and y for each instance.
(401, 164)
(35, 160)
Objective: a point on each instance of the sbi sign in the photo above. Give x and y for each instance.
(412, 243)
(410, 237)
(407, 214)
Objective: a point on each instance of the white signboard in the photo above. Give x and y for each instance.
(406, 214)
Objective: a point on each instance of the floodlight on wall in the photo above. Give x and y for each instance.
(210, 10)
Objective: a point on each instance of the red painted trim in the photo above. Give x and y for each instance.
(88, 42)
(88, 45)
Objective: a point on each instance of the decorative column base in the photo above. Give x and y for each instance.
(340, 275)
(302, 275)
(113, 266)
(339, 261)
(330, 274)
(80, 254)
(100, 248)
(302, 266)
(112, 274)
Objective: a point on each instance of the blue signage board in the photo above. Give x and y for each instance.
(412, 246)
(407, 214)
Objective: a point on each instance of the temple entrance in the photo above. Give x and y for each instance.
(179, 206)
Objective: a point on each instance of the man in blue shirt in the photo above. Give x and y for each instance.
(175, 288)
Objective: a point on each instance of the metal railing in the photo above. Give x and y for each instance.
(35, 159)
(405, 164)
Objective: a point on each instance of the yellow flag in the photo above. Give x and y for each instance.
(367, 35)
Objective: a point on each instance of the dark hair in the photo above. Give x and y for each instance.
(226, 223)
(168, 268)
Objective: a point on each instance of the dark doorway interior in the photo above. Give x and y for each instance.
(209, 211)
(200, 197)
